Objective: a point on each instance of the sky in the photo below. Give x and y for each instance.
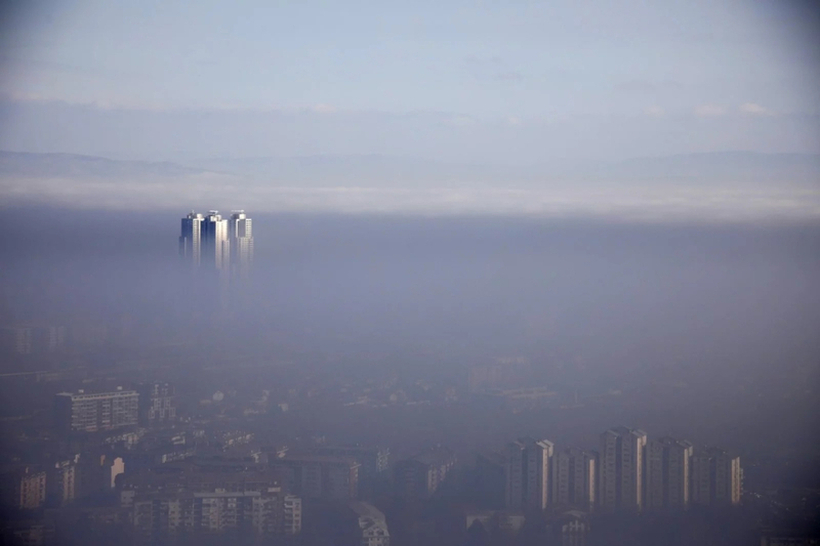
(509, 84)
(501, 69)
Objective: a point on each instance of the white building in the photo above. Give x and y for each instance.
(240, 235)
(621, 469)
(190, 239)
(527, 474)
(214, 242)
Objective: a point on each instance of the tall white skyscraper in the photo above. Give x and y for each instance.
(204, 241)
(621, 469)
(240, 236)
(190, 239)
(214, 241)
(527, 474)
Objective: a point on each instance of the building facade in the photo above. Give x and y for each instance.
(717, 478)
(317, 477)
(63, 481)
(527, 474)
(668, 474)
(27, 340)
(92, 412)
(190, 239)
(240, 235)
(23, 487)
(421, 476)
(167, 517)
(213, 243)
(157, 404)
(372, 525)
(621, 469)
(574, 478)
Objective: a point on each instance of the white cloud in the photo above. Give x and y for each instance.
(654, 111)
(709, 111)
(754, 109)
(514, 121)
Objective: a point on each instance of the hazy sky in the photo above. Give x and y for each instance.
(466, 81)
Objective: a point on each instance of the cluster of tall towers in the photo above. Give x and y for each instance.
(630, 472)
(224, 245)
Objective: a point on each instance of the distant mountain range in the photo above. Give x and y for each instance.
(387, 171)
(58, 165)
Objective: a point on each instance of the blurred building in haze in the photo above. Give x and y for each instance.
(92, 412)
(621, 481)
(240, 240)
(668, 476)
(527, 474)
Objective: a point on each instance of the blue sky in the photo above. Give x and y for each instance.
(529, 87)
(510, 81)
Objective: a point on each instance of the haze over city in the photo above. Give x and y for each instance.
(447, 273)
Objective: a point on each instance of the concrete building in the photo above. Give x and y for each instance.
(23, 487)
(420, 477)
(292, 515)
(204, 241)
(29, 340)
(717, 478)
(240, 236)
(214, 242)
(167, 517)
(668, 474)
(527, 474)
(157, 404)
(574, 478)
(63, 481)
(621, 469)
(317, 477)
(190, 239)
(92, 412)
(571, 529)
(373, 460)
(371, 523)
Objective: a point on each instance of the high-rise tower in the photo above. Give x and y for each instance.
(240, 236)
(667, 473)
(573, 478)
(215, 244)
(190, 239)
(527, 474)
(717, 478)
(621, 469)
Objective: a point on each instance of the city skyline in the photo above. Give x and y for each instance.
(213, 243)
(452, 273)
